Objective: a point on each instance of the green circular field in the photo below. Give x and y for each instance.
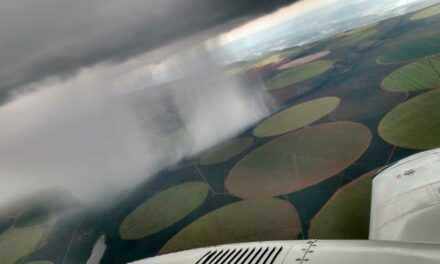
(163, 210)
(353, 37)
(429, 12)
(226, 151)
(299, 74)
(420, 75)
(272, 59)
(278, 57)
(347, 214)
(292, 52)
(296, 117)
(304, 60)
(245, 221)
(19, 242)
(414, 124)
(298, 160)
(411, 50)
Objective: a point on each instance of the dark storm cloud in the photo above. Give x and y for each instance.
(44, 37)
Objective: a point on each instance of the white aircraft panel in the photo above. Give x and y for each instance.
(312, 251)
(406, 200)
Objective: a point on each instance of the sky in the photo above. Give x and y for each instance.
(270, 20)
(305, 22)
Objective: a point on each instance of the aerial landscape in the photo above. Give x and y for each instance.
(342, 107)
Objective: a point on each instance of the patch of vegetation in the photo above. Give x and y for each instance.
(276, 58)
(420, 75)
(304, 60)
(428, 12)
(226, 151)
(292, 52)
(347, 214)
(163, 210)
(19, 242)
(411, 50)
(350, 39)
(299, 74)
(414, 124)
(298, 160)
(246, 221)
(296, 117)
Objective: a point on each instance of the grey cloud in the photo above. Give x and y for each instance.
(102, 131)
(46, 37)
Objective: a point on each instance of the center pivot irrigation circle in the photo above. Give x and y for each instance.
(298, 160)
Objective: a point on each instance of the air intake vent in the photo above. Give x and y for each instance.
(252, 255)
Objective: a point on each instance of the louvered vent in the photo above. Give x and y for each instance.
(255, 255)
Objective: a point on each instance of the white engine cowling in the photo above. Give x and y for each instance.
(307, 251)
(406, 200)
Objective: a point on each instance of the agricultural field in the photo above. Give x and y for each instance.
(343, 107)
(427, 13)
(346, 214)
(163, 210)
(418, 116)
(296, 117)
(249, 220)
(420, 75)
(226, 151)
(298, 160)
(304, 60)
(354, 37)
(414, 49)
(299, 74)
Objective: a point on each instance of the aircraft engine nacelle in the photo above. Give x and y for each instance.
(305, 252)
(405, 202)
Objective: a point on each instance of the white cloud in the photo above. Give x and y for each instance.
(103, 130)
